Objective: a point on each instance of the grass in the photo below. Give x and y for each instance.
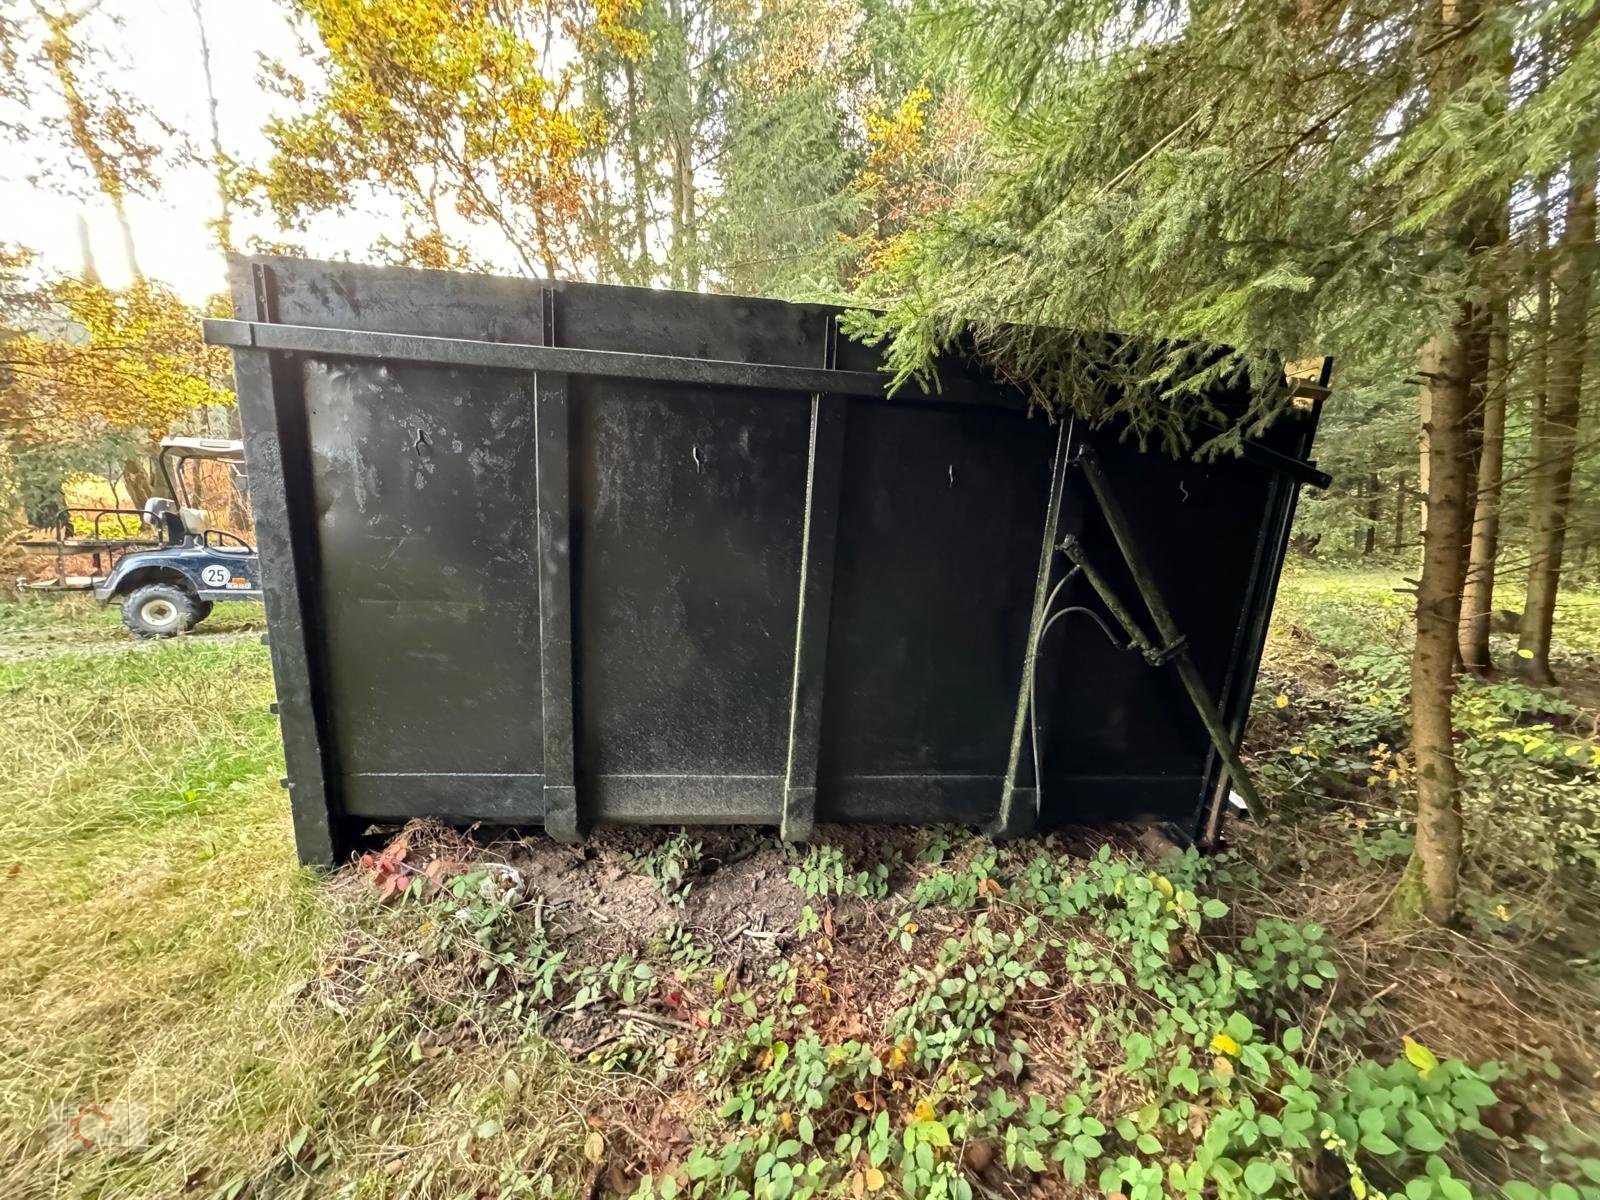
(291, 1037)
(159, 933)
(155, 913)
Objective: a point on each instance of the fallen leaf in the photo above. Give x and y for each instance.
(594, 1147)
(874, 1179)
(1420, 1057)
(1224, 1043)
(923, 1111)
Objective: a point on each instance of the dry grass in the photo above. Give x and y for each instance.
(160, 939)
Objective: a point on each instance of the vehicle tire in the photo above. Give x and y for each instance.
(159, 610)
(202, 610)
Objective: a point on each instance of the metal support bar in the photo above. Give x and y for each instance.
(1263, 455)
(824, 476)
(1014, 819)
(1167, 630)
(1073, 549)
(552, 428)
(567, 360)
(666, 368)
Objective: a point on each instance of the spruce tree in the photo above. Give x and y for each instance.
(1281, 179)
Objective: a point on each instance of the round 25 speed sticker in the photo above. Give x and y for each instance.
(216, 575)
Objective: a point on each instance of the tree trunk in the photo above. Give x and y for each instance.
(1430, 883)
(691, 223)
(1369, 541)
(1400, 501)
(62, 55)
(685, 233)
(1549, 508)
(641, 195)
(91, 273)
(224, 224)
(136, 481)
(1477, 597)
(126, 226)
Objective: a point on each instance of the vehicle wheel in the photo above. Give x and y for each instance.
(159, 610)
(202, 610)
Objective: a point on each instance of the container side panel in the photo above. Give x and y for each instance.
(425, 486)
(687, 521)
(938, 549)
(407, 622)
(1103, 711)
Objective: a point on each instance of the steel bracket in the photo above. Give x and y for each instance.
(1173, 647)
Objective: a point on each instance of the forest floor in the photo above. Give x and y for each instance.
(704, 1012)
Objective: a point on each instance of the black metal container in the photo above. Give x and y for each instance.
(566, 554)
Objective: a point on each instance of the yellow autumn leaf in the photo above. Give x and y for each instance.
(786, 1121)
(1280, 700)
(874, 1179)
(910, 927)
(594, 1146)
(1420, 1057)
(1524, 653)
(923, 1111)
(1164, 886)
(1224, 1043)
(1297, 749)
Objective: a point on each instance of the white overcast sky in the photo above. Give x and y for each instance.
(159, 61)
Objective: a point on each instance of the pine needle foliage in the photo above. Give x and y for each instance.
(1283, 179)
